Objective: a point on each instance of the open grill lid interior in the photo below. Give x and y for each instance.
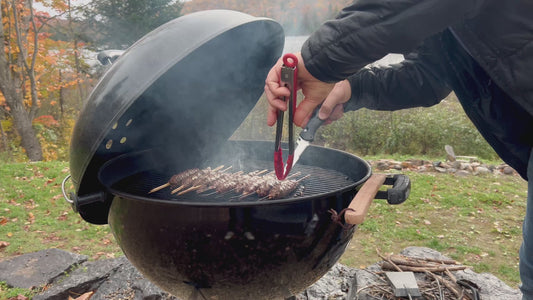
(186, 86)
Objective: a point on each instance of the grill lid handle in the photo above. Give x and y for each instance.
(358, 208)
(93, 207)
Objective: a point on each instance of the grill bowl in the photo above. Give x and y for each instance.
(231, 249)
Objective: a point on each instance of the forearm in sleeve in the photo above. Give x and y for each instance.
(405, 85)
(370, 29)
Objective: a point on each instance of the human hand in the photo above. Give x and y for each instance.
(333, 106)
(314, 91)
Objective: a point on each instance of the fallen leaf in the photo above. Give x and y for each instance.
(3, 221)
(9, 234)
(85, 296)
(3, 244)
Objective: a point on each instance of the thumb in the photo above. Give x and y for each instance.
(340, 94)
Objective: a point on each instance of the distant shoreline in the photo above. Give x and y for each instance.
(294, 43)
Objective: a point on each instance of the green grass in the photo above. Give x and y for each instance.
(34, 215)
(7, 292)
(475, 220)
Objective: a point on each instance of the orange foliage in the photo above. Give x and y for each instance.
(46, 120)
(53, 56)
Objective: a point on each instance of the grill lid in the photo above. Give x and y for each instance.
(187, 86)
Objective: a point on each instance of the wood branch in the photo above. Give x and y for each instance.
(449, 285)
(437, 269)
(441, 261)
(452, 277)
(415, 262)
(395, 267)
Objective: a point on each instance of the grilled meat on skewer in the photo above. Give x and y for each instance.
(284, 188)
(201, 180)
(178, 178)
(175, 180)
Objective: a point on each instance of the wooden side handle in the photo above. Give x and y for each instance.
(363, 198)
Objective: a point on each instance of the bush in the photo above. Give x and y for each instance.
(416, 131)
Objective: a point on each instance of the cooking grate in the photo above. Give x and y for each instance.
(320, 181)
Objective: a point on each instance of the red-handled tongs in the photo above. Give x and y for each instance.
(289, 77)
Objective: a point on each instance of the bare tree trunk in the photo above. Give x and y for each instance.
(4, 141)
(23, 125)
(74, 37)
(11, 89)
(61, 97)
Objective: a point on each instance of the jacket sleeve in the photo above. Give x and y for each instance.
(419, 80)
(368, 30)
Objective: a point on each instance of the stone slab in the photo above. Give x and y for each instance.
(38, 268)
(87, 277)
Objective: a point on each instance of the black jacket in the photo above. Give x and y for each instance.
(480, 49)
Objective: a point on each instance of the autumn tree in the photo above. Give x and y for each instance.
(32, 68)
(119, 23)
(17, 68)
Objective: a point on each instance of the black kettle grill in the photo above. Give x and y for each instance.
(170, 103)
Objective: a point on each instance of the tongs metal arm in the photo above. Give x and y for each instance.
(289, 75)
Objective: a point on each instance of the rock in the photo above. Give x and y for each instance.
(382, 166)
(118, 279)
(423, 252)
(490, 287)
(108, 279)
(470, 168)
(462, 173)
(334, 285)
(457, 165)
(481, 171)
(508, 170)
(450, 155)
(397, 167)
(87, 277)
(127, 283)
(364, 278)
(38, 268)
(416, 162)
(441, 170)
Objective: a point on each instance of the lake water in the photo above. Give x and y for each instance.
(294, 44)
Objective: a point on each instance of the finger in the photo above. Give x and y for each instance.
(275, 91)
(325, 111)
(274, 101)
(272, 116)
(334, 100)
(337, 112)
(304, 111)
